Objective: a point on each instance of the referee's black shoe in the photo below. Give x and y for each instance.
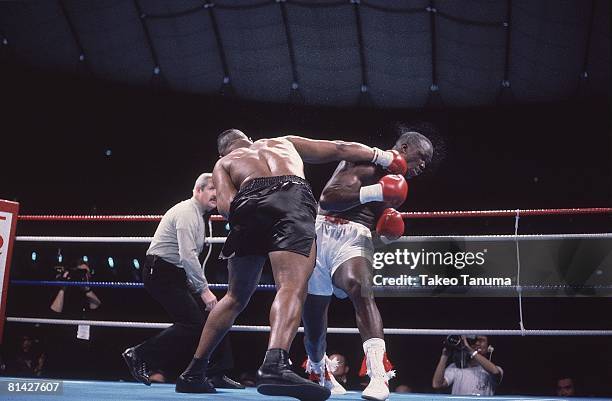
(136, 365)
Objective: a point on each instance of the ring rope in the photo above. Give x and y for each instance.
(413, 215)
(272, 287)
(333, 330)
(444, 214)
(116, 284)
(506, 213)
(407, 238)
(519, 289)
(81, 217)
(136, 240)
(209, 238)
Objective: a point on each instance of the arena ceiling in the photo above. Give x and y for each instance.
(379, 53)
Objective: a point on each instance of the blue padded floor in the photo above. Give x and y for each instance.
(120, 391)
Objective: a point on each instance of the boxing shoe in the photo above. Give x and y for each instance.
(322, 373)
(136, 365)
(335, 387)
(377, 390)
(193, 379)
(378, 367)
(275, 377)
(330, 366)
(193, 384)
(222, 381)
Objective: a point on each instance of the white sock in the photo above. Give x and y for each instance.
(315, 367)
(374, 342)
(374, 349)
(331, 364)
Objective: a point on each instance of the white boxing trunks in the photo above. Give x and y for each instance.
(338, 240)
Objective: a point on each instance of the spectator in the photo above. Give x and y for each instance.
(29, 360)
(2, 362)
(471, 372)
(566, 386)
(403, 388)
(2, 366)
(247, 379)
(342, 373)
(158, 376)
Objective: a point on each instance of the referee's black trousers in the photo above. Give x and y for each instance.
(171, 350)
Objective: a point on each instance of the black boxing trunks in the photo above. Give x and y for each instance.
(271, 214)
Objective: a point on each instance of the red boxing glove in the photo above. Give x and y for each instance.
(390, 188)
(398, 164)
(390, 160)
(390, 225)
(394, 189)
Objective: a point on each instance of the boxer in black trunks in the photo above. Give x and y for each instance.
(261, 190)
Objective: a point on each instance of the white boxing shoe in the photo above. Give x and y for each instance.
(377, 390)
(321, 372)
(378, 367)
(330, 380)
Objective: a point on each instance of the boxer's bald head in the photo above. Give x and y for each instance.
(416, 149)
(231, 139)
(418, 142)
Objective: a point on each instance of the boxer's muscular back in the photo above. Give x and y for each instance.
(265, 158)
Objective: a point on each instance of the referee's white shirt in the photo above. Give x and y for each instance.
(179, 239)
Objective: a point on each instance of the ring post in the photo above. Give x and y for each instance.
(8, 223)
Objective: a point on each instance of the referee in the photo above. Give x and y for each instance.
(175, 278)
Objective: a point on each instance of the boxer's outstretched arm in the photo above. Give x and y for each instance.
(224, 187)
(317, 151)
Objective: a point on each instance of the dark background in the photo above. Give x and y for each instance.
(56, 129)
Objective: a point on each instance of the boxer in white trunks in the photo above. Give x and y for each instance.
(358, 198)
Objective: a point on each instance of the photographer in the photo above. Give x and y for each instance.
(81, 272)
(471, 371)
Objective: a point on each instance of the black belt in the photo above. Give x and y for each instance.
(158, 261)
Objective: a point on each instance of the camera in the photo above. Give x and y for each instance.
(458, 353)
(454, 342)
(59, 271)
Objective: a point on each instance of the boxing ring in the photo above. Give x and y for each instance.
(97, 390)
(74, 390)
